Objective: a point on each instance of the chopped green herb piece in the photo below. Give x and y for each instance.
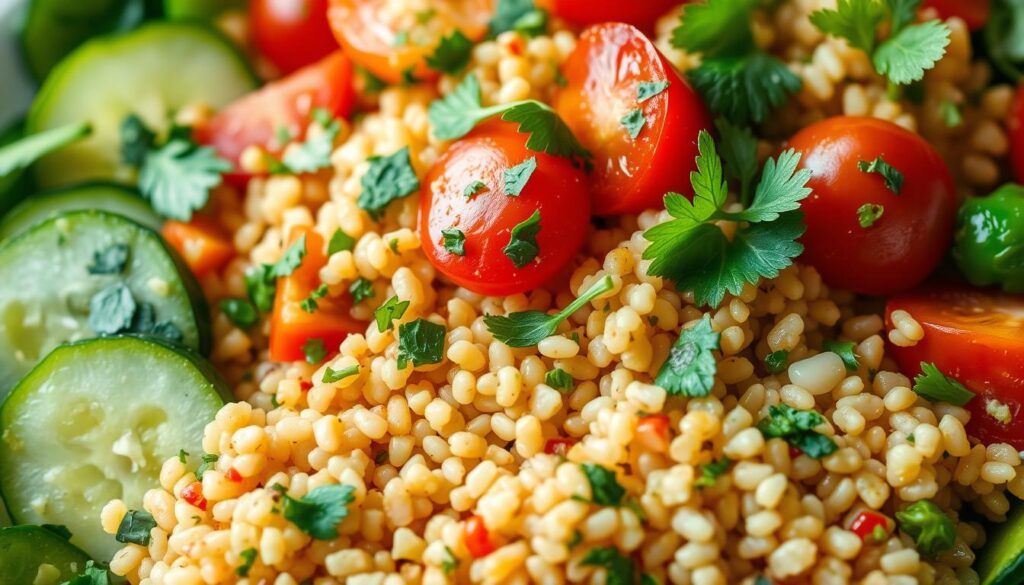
(937, 387)
(110, 260)
(559, 379)
(261, 285)
(604, 487)
(951, 115)
(532, 24)
(361, 290)
(911, 439)
(207, 461)
(454, 241)
(420, 342)
(619, 570)
(507, 13)
(340, 242)
(183, 456)
(391, 309)
(648, 579)
(522, 246)
(248, 557)
(331, 376)
(389, 178)
(528, 328)
(291, 259)
(282, 136)
(518, 176)
(177, 177)
(796, 427)
(932, 530)
(136, 140)
(892, 177)
(709, 472)
(645, 90)
(577, 538)
(315, 152)
(135, 527)
(309, 304)
(241, 312)
(319, 512)
(634, 122)
(473, 188)
(449, 563)
(111, 310)
(452, 54)
(92, 575)
(845, 351)
(689, 369)
(314, 350)
(905, 56)
(371, 83)
(393, 245)
(868, 214)
(776, 361)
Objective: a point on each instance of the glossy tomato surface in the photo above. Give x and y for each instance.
(395, 49)
(287, 103)
(1016, 124)
(642, 14)
(906, 243)
(603, 75)
(974, 12)
(977, 337)
(556, 189)
(291, 33)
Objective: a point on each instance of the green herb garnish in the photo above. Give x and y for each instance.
(248, 557)
(776, 361)
(559, 379)
(528, 328)
(645, 90)
(932, 530)
(112, 310)
(845, 351)
(241, 312)
(340, 242)
(689, 369)
(110, 260)
(135, 528)
(634, 122)
(709, 472)
(892, 177)
(361, 290)
(517, 176)
(619, 569)
(420, 342)
(937, 387)
(318, 512)
(796, 427)
(331, 376)
(309, 304)
(389, 178)
(391, 309)
(454, 241)
(452, 54)
(604, 487)
(522, 246)
(314, 350)
(868, 214)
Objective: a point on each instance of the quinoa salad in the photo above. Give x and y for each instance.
(383, 292)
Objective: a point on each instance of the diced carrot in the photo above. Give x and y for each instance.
(202, 244)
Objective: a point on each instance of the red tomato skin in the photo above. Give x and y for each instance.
(476, 537)
(291, 33)
(976, 337)
(602, 74)
(974, 12)
(193, 494)
(864, 524)
(556, 188)
(286, 103)
(642, 14)
(1016, 124)
(916, 228)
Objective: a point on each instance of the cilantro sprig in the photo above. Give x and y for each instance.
(692, 251)
(528, 328)
(319, 512)
(932, 384)
(690, 367)
(796, 427)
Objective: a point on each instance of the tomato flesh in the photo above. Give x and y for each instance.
(1016, 124)
(200, 242)
(602, 77)
(291, 33)
(916, 228)
(652, 432)
(974, 12)
(193, 494)
(641, 14)
(871, 526)
(976, 337)
(556, 189)
(476, 537)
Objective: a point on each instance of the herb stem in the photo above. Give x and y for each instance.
(602, 286)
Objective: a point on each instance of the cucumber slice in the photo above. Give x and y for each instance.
(46, 287)
(95, 420)
(1001, 562)
(152, 72)
(202, 10)
(24, 548)
(100, 196)
(53, 28)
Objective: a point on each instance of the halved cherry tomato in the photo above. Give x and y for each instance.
(291, 33)
(974, 12)
(556, 190)
(872, 526)
(200, 242)
(916, 227)
(641, 14)
(193, 494)
(1016, 124)
(652, 432)
(283, 104)
(476, 537)
(603, 75)
(291, 326)
(977, 338)
(396, 48)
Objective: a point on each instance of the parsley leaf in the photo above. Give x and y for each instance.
(507, 13)
(604, 487)
(843, 349)
(208, 461)
(309, 304)
(20, 154)
(420, 342)
(454, 241)
(261, 285)
(559, 379)
(315, 152)
(528, 328)
(291, 259)
(389, 178)
(314, 350)
(902, 12)
(745, 89)
(92, 575)
(619, 570)
(135, 527)
(110, 260)
(517, 176)
(645, 90)
(522, 245)
(905, 57)
(776, 361)
(241, 312)
(857, 21)
(797, 428)
(634, 122)
(331, 376)
(452, 54)
(868, 214)
(932, 530)
(709, 472)
(361, 290)
(391, 309)
(715, 27)
(248, 557)
(689, 369)
(111, 310)
(781, 189)
(739, 153)
(318, 512)
(340, 242)
(473, 188)
(937, 387)
(892, 177)
(177, 178)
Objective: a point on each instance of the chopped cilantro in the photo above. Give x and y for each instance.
(869, 213)
(709, 472)
(522, 246)
(207, 461)
(449, 562)
(507, 13)
(248, 557)
(183, 456)
(473, 188)
(331, 376)
(136, 140)
(110, 260)
(559, 379)
(291, 259)
(309, 304)
(845, 351)
(951, 115)
(177, 177)
(604, 487)
(776, 361)
(111, 310)
(634, 122)
(937, 387)
(905, 56)
(454, 241)
(528, 328)
(645, 90)
(452, 54)
(389, 178)
(340, 242)
(420, 342)
(689, 369)
(532, 24)
(315, 152)
(361, 290)
(260, 285)
(314, 350)
(796, 427)
(391, 309)
(92, 575)
(241, 312)
(932, 530)
(135, 527)
(318, 512)
(619, 570)
(892, 177)
(517, 176)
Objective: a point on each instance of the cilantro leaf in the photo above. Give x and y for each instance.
(745, 88)
(389, 178)
(857, 21)
(905, 57)
(645, 90)
(315, 152)
(391, 309)
(796, 427)
(843, 349)
(208, 461)
(420, 342)
(473, 188)
(709, 472)
(716, 28)
(893, 178)
(111, 310)
(110, 260)
(248, 557)
(937, 387)
(548, 132)
(690, 368)
(135, 528)
(309, 304)
(319, 512)
(604, 487)
(331, 376)
(177, 178)
(634, 122)
(20, 154)
(340, 242)
(361, 290)
(454, 241)
(902, 13)
(932, 530)
(619, 570)
(452, 54)
(528, 328)
(291, 259)
(559, 379)
(507, 13)
(136, 140)
(739, 152)
(261, 285)
(92, 575)
(314, 351)
(241, 312)
(449, 563)
(776, 361)
(868, 214)
(781, 189)
(522, 245)
(457, 113)
(517, 176)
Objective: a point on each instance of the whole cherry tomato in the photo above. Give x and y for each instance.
(881, 213)
(1016, 124)
(641, 14)
(974, 12)
(291, 33)
(468, 191)
(395, 49)
(975, 337)
(610, 76)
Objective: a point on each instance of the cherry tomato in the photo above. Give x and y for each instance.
(603, 75)
(652, 432)
(641, 14)
(916, 227)
(285, 104)
(973, 336)
(476, 537)
(193, 494)
(556, 190)
(871, 526)
(1017, 135)
(973, 12)
(291, 326)
(291, 33)
(395, 49)
(200, 242)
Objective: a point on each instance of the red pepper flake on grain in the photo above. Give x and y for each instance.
(871, 526)
(193, 494)
(558, 446)
(794, 452)
(477, 539)
(233, 475)
(305, 386)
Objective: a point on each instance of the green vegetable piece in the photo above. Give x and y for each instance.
(893, 178)
(314, 350)
(989, 240)
(559, 379)
(796, 427)
(620, 570)
(454, 241)
(315, 152)
(361, 290)
(391, 309)
(177, 177)
(309, 304)
(690, 367)
(931, 529)
(868, 214)
(709, 472)
(507, 13)
(110, 260)
(517, 176)
(340, 242)
(604, 487)
(776, 361)
(92, 575)
(135, 527)
(291, 259)
(634, 122)
(937, 387)
(528, 328)
(389, 178)
(452, 54)
(845, 351)
(645, 90)
(522, 246)
(112, 309)
(248, 557)
(319, 512)
(420, 342)
(241, 312)
(473, 188)
(331, 376)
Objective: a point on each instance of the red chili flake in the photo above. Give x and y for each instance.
(558, 446)
(871, 526)
(305, 386)
(476, 537)
(233, 475)
(193, 494)
(794, 452)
